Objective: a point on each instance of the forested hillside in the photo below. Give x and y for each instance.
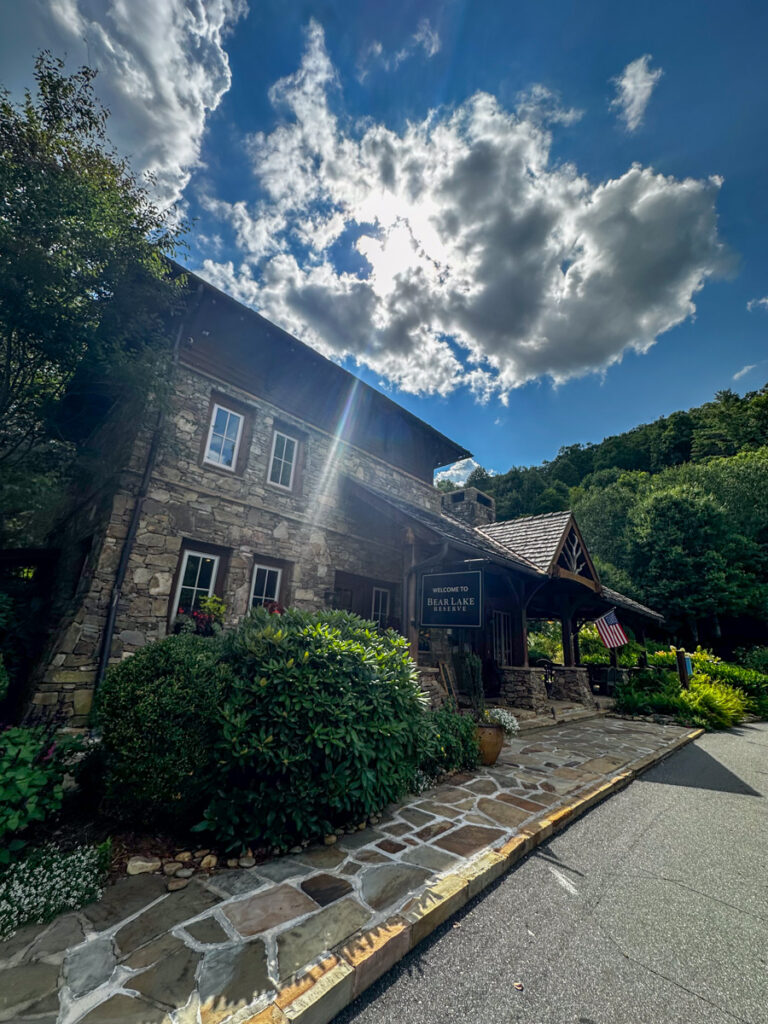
(675, 511)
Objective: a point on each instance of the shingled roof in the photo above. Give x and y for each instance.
(536, 538)
(452, 529)
(627, 602)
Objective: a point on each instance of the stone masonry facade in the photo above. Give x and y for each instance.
(309, 529)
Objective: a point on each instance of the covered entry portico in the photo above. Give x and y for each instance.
(532, 568)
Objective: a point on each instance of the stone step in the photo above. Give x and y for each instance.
(542, 721)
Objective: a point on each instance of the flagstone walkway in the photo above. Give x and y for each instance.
(295, 939)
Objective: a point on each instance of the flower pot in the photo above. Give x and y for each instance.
(491, 740)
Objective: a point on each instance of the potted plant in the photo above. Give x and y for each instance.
(490, 734)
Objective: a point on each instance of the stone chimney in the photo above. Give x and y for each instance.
(471, 506)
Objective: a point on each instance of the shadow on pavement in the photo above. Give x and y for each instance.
(695, 768)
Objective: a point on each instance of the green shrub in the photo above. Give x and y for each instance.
(448, 742)
(320, 723)
(705, 703)
(32, 769)
(649, 693)
(755, 659)
(754, 685)
(5, 681)
(49, 882)
(712, 704)
(156, 711)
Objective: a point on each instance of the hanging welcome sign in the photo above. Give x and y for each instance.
(452, 599)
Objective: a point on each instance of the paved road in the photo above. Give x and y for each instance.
(652, 909)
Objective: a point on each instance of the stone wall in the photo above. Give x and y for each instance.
(525, 687)
(311, 528)
(573, 684)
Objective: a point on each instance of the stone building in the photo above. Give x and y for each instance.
(272, 474)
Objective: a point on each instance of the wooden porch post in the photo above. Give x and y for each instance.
(576, 651)
(566, 624)
(519, 635)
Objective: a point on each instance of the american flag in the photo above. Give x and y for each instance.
(610, 631)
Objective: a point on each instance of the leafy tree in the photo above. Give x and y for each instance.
(480, 478)
(446, 486)
(85, 283)
(686, 560)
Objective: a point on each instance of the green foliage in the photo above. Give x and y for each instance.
(156, 711)
(49, 882)
(32, 770)
(594, 652)
(448, 742)
(545, 642)
(85, 286)
(674, 512)
(753, 684)
(756, 659)
(207, 620)
(711, 704)
(319, 725)
(649, 693)
(706, 702)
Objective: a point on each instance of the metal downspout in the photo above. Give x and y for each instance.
(125, 554)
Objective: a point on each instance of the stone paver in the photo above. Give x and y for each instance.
(324, 930)
(267, 909)
(339, 915)
(234, 975)
(89, 965)
(325, 889)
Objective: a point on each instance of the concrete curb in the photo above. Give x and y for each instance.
(328, 987)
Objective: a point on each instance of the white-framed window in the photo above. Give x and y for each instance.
(224, 437)
(283, 461)
(196, 580)
(266, 584)
(380, 605)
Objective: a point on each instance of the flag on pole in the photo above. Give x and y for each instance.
(610, 631)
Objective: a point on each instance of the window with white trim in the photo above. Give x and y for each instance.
(266, 584)
(380, 606)
(283, 461)
(224, 437)
(196, 580)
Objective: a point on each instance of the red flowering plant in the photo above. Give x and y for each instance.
(206, 620)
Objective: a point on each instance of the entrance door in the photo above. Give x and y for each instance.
(502, 638)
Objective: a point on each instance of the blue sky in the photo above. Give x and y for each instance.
(532, 224)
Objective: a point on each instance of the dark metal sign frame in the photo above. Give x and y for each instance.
(462, 594)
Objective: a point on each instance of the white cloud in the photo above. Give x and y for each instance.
(459, 472)
(455, 252)
(162, 69)
(633, 90)
(425, 38)
(744, 371)
(754, 304)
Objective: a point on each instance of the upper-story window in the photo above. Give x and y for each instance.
(224, 437)
(283, 463)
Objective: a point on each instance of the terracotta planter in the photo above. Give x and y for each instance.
(491, 740)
